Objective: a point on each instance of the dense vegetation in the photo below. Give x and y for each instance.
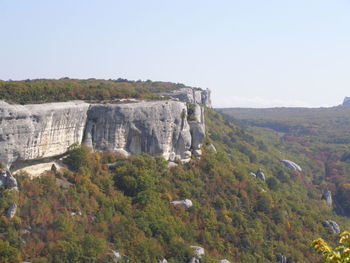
(79, 215)
(50, 90)
(320, 135)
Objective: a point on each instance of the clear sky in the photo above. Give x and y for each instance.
(253, 53)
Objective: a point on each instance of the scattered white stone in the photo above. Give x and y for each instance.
(224, 261)
(172, 164)
(162, 260)
(186, 203)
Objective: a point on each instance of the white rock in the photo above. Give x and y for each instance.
(224, 261)
(172, 164)
(158, 127)
(41, 130)
(292, 165)
(186, 203)
(11, 211)
(198, 251)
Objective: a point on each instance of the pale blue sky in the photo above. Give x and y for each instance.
(248, 52)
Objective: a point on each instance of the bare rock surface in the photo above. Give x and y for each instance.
(332, 225)
(158, 128)
(292, 165)
(36, 131)
(327, 196)
(185, 203)
(32, 133)
(192, 95)
(11, 211)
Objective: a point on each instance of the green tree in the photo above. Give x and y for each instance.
(8, 254)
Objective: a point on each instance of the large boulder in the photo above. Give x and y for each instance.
(332, 225)
(292, 165)
(198, 251)
(187, 203)
(198, 254)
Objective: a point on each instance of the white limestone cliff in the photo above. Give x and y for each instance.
(41, 131)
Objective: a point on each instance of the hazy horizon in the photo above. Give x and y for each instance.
(249, 53)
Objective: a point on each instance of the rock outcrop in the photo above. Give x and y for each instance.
(8, 181)
(327, 196)
(158, 128)
(332, 225)
(11, 211)
(39, 131)
(36, 132)
(197, 128)
(292, 165)
(192, 95)
(198, 254)
(187, 203)
(224, 261)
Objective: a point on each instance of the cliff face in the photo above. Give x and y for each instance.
(39, 131)
(153, 127)
(192, 95)
(34, 132)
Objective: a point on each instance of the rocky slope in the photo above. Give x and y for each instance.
(34, 132)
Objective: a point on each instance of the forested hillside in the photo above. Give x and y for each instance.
(51, 90)
(107, 202)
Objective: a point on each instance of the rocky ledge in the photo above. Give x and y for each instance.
(36, 132)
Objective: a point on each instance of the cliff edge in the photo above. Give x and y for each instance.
(38, 131)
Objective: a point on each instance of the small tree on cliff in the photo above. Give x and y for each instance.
(340, 254)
